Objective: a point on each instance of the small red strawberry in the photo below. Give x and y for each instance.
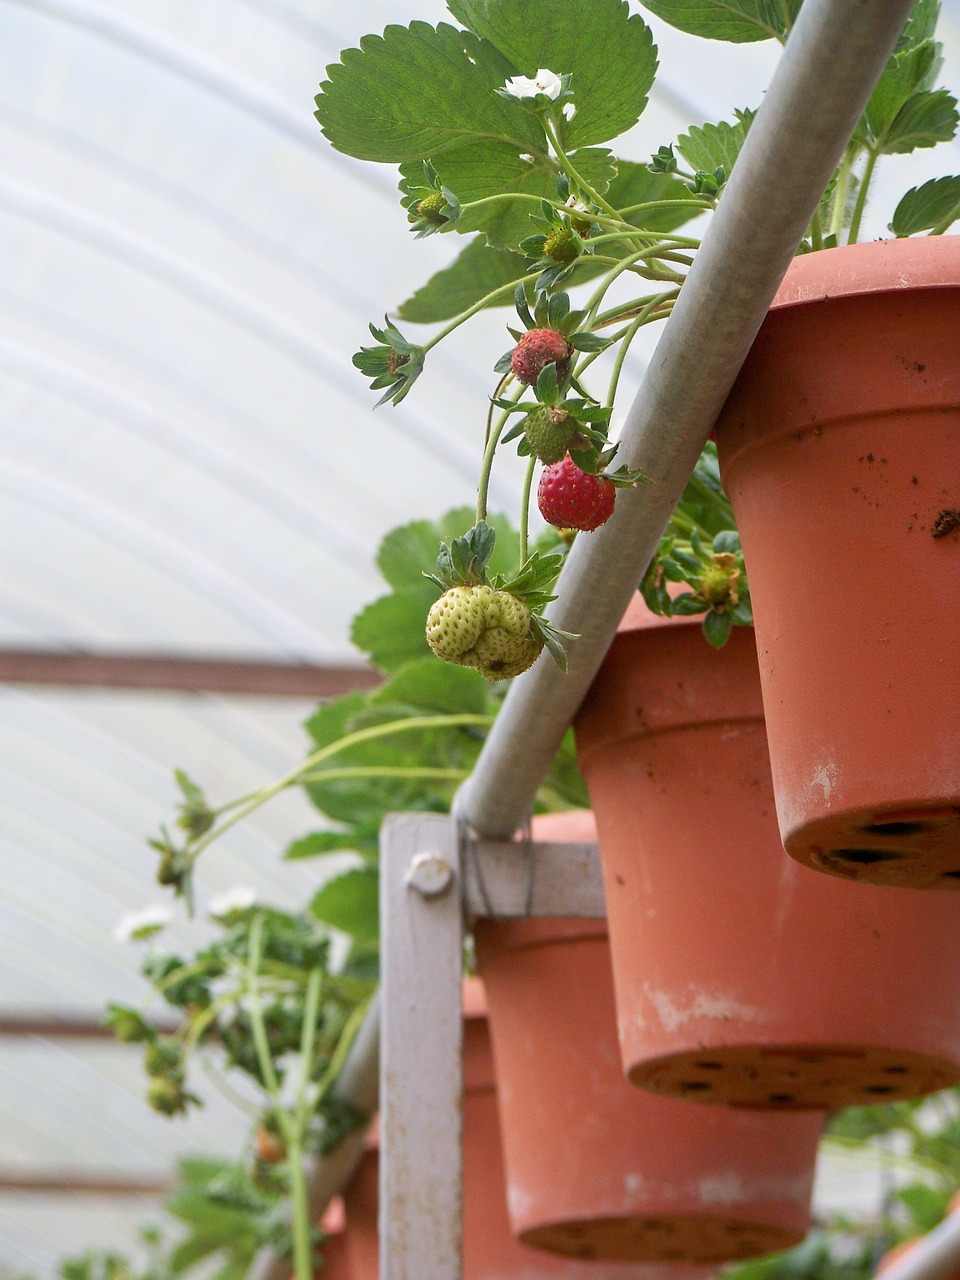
(535, 350)
(574, 499)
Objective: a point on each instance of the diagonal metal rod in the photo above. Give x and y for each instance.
(823, 81)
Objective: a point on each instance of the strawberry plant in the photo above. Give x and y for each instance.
(524, 99)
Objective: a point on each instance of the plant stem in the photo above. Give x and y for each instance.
(386, 771)
(525, 508)
(625, 345)
(292, 1131)
(571, 172)
(247, 804)
(862, 197)
(486, 465)
(840, 193)
(816, 231)
(503, 290)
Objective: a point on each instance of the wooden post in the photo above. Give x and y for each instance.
(421, 1051)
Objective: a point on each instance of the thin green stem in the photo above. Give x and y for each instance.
(840, 188)
(251, 802)
(525, 508)
(489, 449)
(571, 171)
(260, 1042)
(504, 290)
(861, 204)
(386, 771)
(625, 345)
(622, 264)
(816, 231)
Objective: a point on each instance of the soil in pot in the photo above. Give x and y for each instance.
(595, 1167)
(741, 976)
(839, 447)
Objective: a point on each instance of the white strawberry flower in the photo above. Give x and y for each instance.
(238, 898)
(545, 81)
(137, 925)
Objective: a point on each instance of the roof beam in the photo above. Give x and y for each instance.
(90, 669)
(56, 1182)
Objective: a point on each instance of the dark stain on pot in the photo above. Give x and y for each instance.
(709, 1066)
(897, 1069)
(864, 857)
(693, 1086)
(895, 828)
(878, 1088)
(781, 1097)
(947, 521)
(620, 880)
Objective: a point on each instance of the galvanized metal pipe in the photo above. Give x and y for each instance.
(823, 81)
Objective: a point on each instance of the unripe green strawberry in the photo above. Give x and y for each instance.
(548, 432)
(561, 245)
(480, 627)
(431, 208)
(718, 582)
(166, 1096)
(535, 350)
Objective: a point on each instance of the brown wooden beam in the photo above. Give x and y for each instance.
(58, 1026)
(182, 674)
(47, 1182)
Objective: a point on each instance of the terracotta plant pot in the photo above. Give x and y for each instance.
(336, 1260)
(490, 1251)
(741, 976)
(595, 1167)
(840, 450)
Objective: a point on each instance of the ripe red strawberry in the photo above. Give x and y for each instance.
(535, 350)
(574, 499)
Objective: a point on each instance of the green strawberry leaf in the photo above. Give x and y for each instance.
(609, 52)
(712, 146)
(904, 74)
(737, 21)
(350, 902)
(429, 687)
(405, 551)
(926, 119)
(934, 206)
(390, 630)
(479, 269)
(316, 844)
(717, 628)
(418, 91)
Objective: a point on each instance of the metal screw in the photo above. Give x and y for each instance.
(430, 874)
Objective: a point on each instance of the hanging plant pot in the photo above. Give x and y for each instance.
(839, 448)
(336, 1260)
(490, 1251)
(741, 976)
(595, 1167)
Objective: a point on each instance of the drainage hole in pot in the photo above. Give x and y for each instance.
(709, 1066)
(781, 1097)
(878, 1088)
(896, 1070)
(895, 828)
(692, 1085)
(865, 857)
(950, 875)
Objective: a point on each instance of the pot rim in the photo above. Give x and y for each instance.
(875, 266)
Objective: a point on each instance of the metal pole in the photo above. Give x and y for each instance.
(832, 61)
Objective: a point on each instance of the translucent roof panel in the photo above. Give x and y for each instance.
(190, 465)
